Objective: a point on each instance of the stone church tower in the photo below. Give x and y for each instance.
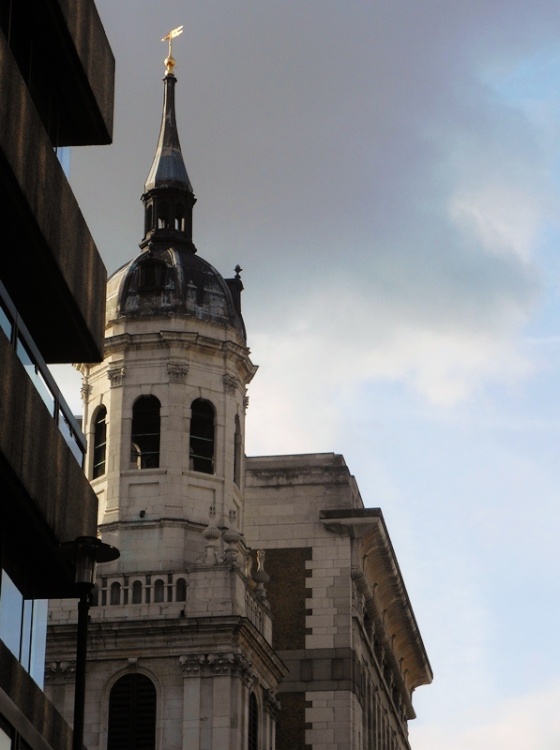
(180, 651)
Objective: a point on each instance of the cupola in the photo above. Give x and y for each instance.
(168, 277)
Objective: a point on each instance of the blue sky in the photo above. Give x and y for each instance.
(388, 176)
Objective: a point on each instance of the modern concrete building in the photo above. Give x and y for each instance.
(256, 603)
(56, 84)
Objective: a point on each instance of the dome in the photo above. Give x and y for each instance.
(168, 277)
(174, 281)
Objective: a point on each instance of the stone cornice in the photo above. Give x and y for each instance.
(221, 664)
(187, 341)
(377, 574)
(122, 639)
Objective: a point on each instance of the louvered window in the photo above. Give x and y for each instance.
(237, 452)
(181, 585)
(159, 590)
(99, 442)
(137, 592)
(202, 436)
(253, 742)
(132, 714)
(145, 432)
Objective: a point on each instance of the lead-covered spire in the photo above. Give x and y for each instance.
(168, 194)
(168, 168)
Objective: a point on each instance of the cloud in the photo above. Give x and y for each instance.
(503, 218)
(339, 339)
(384, 173)
(369, 168)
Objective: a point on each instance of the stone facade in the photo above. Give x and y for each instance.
(343, 623)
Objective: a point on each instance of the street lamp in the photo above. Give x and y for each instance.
(85, 552)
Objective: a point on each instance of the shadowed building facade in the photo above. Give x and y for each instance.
(56, 84)
(256, 603)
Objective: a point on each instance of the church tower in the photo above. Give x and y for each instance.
(180, 649)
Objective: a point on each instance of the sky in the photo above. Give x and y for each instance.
(387, 174)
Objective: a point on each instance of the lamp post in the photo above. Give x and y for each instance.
(85, 552)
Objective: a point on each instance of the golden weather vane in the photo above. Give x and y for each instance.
(169, 61)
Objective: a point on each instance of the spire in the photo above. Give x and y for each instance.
(168, 194)
(168, 168)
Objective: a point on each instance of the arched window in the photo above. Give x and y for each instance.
(99, 442)
(163, 216)
(132, 714)
(115, 593)
(159, 590)
(148, 218)
(253, 739)
(137, 592)
(237, 452)
(181, 589)
(202, 436)
(145, 432)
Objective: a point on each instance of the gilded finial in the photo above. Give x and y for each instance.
(169, 61)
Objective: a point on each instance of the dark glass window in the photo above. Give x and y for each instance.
(202, 436)
(6, 735)
(253, 742)
(99, 442)
(132, 714)
(23, 627)
(6, 323)
(145, 432)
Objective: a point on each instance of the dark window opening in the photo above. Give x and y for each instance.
(145, 432)
(137, 592)
(99, 442)
(159, 590)
(115, 593)
(132, 714)
(163, 216)
(152, 275)
(180, 217)
(237, 452)
(148, 219)
(253, 742)
(181, 590)
(202, 436)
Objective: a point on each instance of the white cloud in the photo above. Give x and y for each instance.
(328, 348)
(505, 219)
